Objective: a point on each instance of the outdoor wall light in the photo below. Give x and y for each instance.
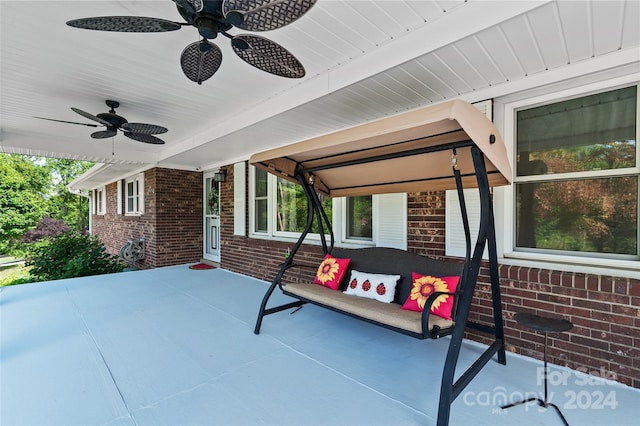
(220, 176)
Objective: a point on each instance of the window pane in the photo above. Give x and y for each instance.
(260, 215)
(596, 132)
(359, 214)
(291, 215)
(261, 183)
(591, 215)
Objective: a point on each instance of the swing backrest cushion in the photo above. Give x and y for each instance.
(391, 261)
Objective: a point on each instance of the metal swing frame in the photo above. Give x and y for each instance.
(450, 388)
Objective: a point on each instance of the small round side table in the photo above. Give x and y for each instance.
(545, 325)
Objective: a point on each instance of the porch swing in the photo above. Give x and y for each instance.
(447, 146)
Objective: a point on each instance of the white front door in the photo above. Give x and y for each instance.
(212, 220)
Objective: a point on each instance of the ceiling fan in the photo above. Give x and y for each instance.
(201, 59)
(113, 122)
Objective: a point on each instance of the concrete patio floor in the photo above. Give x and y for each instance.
(175, 346)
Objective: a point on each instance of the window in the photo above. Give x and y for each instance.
(134, 195)
(260, 200)
(358, 217)
(291, 208)
(100, 201)
(577, 176)
(278, 209)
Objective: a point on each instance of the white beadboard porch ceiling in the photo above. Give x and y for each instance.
(365, 59)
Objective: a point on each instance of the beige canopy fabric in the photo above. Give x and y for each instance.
(405, 153)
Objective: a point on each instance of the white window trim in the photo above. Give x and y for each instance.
(101, 201)
(138, 208)
(504, 200)
(119, 198)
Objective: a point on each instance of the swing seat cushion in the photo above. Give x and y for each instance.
(390, 314)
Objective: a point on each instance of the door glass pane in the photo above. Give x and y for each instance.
(213, 197)
(589, 215)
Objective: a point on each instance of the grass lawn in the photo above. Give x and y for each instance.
(15, 273)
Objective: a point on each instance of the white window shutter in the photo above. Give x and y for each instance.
(390, 220)
(119, 197)
(239, 198)
(455, 243)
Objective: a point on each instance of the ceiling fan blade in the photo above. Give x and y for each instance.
(125, 24)
(200, 60)
(196, 5)
(110, 132)
(267, 55)
(69, 122)
(147, 129)
(264, 15)
(90, 116)
(144, 138)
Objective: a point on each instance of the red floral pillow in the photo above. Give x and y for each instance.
(423, 286)
(331, 271)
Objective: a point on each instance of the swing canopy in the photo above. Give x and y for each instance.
(409, 152)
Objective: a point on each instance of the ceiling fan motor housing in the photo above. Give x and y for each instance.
(112, 118)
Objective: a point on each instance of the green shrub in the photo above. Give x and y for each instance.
(70, 255)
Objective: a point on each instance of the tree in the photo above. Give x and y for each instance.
(71, 208)
(23, 189)
(34, 187)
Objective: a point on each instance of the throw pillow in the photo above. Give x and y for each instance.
(423, 286)
(373, 286)
(331, 271)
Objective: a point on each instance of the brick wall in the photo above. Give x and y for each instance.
(605, 310)
(171, 224)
